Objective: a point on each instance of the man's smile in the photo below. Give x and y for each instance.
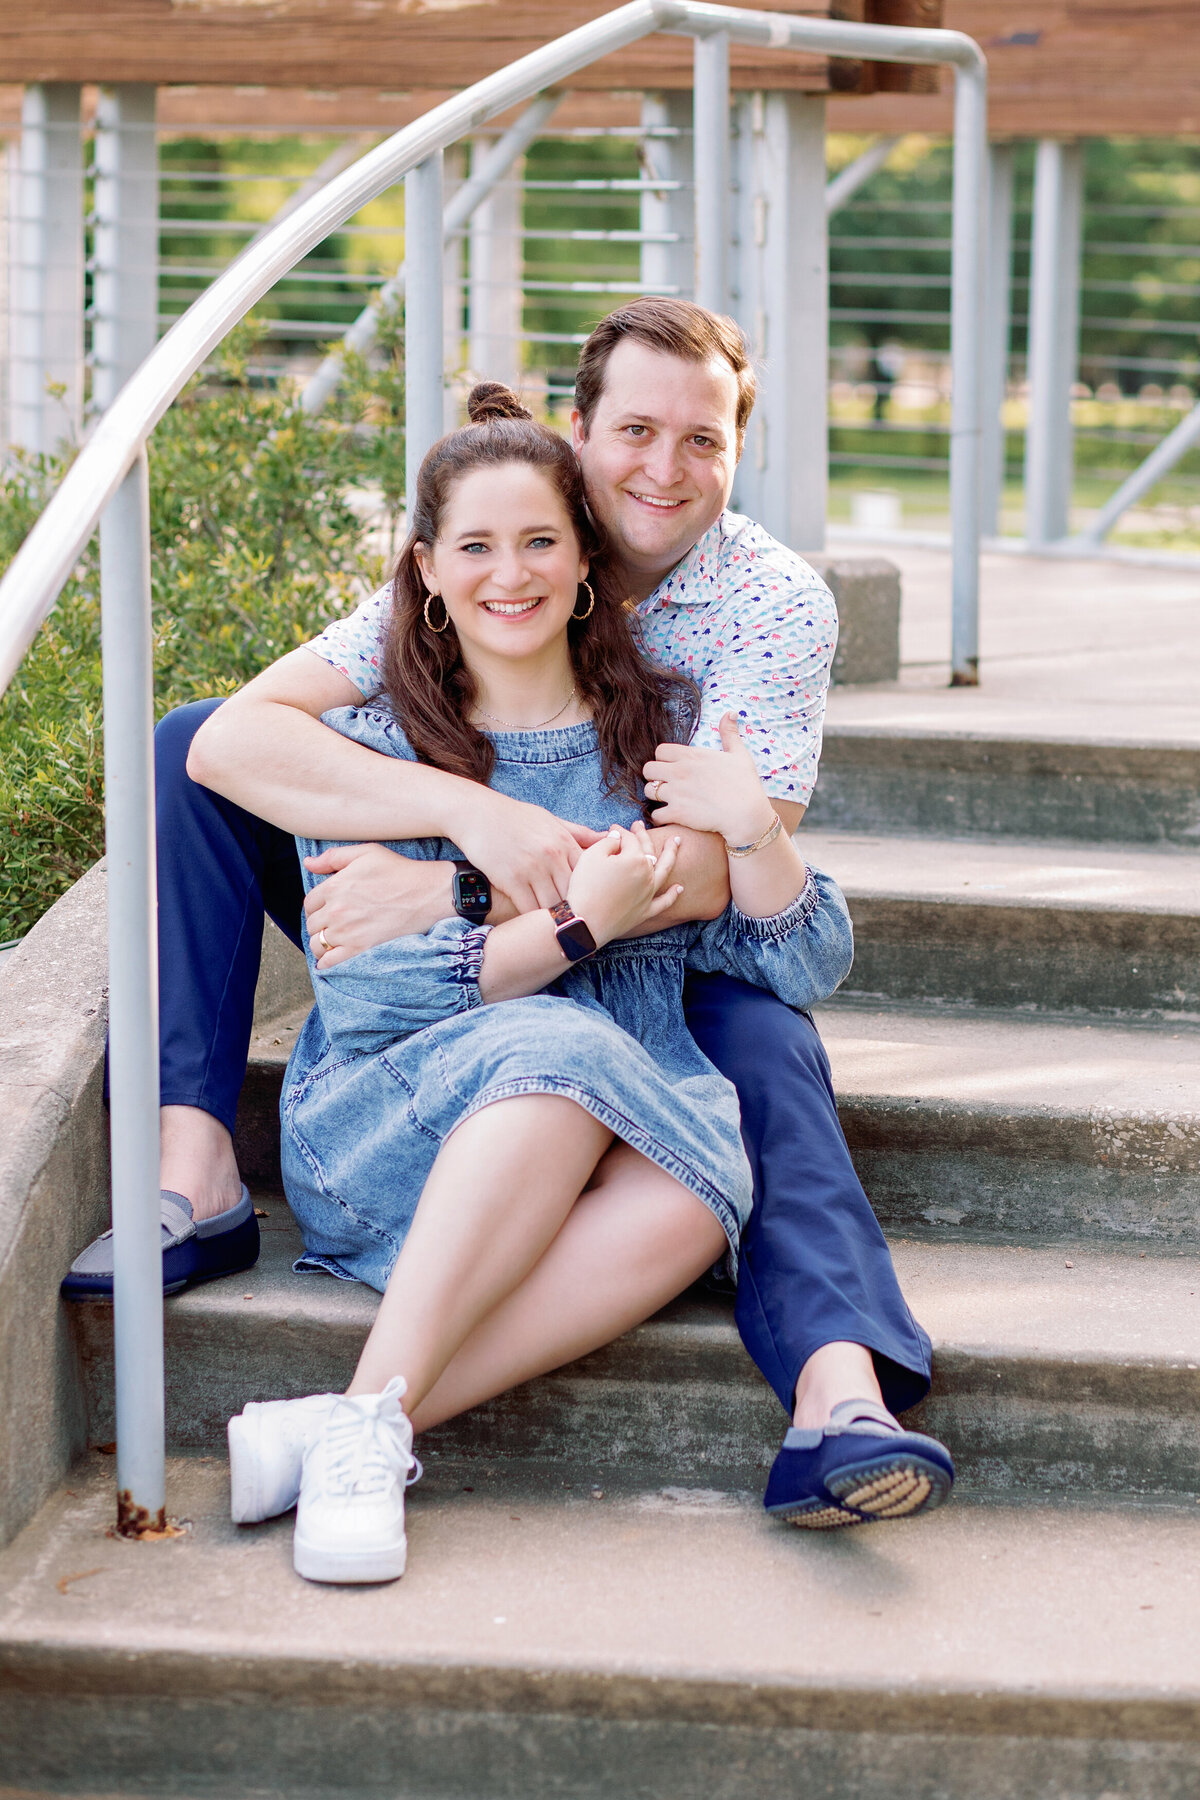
(655, 500)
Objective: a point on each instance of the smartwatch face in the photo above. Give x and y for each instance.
(472, 894)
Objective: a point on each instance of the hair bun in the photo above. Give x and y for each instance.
(492, 400)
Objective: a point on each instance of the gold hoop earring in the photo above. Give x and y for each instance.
(580, 617)
(436, 629)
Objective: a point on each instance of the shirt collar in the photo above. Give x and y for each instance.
(682, 586)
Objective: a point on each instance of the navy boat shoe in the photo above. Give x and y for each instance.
(858, 1469)
(193, 1250)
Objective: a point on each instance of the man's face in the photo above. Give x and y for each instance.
(659, 458)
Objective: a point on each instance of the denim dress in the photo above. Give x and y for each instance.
(400, 1047)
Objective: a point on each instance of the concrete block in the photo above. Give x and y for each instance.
(867, 591)
(53, 1185)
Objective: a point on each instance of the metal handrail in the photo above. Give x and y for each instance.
(45, 560)
(107, 483)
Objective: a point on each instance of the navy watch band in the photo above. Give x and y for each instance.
(574, 939)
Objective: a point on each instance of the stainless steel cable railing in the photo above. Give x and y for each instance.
(107, 485)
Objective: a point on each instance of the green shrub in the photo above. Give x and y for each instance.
(255, 549)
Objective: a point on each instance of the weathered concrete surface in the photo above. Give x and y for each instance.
(54, 1174)
(667, 1641)
(1085, 648)
(1020, 1126)
(982, 1122)
(53, 1184)
(910, 778)
(867, 591)
(283, 982)
(1052, 1364)
(1060, 928)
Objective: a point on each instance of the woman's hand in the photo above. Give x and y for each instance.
(710, 790)
(619, 884)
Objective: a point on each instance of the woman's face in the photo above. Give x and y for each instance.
(506, 563)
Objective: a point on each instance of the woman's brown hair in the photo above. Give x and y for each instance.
(635, 705)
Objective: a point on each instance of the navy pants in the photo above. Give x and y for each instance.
(815, 1268)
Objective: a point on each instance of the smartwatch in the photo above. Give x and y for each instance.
(574, 939)
(472, 893)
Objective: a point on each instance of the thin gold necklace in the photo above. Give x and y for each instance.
(484, 713)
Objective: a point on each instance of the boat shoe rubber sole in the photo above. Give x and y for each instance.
(859, 1469)
(192, 1251)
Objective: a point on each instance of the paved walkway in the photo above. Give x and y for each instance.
(1067, 649)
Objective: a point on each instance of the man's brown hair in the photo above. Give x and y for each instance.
(677, 328)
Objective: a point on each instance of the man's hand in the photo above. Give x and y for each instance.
(371, 896)
(710, 790)
(523, 850)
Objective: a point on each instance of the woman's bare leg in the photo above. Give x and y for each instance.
(632, 1242)
(496, 1197)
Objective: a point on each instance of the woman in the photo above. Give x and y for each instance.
(507, 1128)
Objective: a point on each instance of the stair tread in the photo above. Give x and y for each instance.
(1075, 1302)
(685, 1595)
(1011, 1063)
(1004, 1062)
(1008, 873)
(976, 713)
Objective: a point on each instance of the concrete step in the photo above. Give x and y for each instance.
(1092, 928)
(1057, 1367)
(1018, 1126)
(1008, 1124)
(904, 778)
(649, 1644)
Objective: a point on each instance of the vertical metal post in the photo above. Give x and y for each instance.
(127, 648)
(668, 267)
(1053, 339)
(780, 297)
(795, 392)
(495, 294)
(710, 150)
(968, 249)
(997, 328)
(6, 250)
(46, 335)
(423, 314)
(453, 271)
(125, 258)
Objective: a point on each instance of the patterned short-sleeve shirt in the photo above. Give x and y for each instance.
(749, 620)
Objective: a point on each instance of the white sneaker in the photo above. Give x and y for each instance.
(267, 1441)
(350, 1515)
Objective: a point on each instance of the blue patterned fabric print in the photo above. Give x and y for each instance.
(751, 623)
(400, 1047)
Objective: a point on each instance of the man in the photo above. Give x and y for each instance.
(663, 398)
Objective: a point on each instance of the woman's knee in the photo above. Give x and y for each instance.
(667, 1221)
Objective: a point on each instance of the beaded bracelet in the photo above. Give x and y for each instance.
(760, 843)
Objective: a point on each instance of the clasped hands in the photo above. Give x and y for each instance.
(372, 894)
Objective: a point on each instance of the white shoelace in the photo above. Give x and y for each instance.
(365, 1448)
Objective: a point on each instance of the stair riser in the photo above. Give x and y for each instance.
(616, 1745)
(637, 1414)
(925, 1163)
(1054, 959)
(966, 787)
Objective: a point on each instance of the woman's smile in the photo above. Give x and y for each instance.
(512, 609)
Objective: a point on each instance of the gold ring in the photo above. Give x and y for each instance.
(323, 941)
(657, 794)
